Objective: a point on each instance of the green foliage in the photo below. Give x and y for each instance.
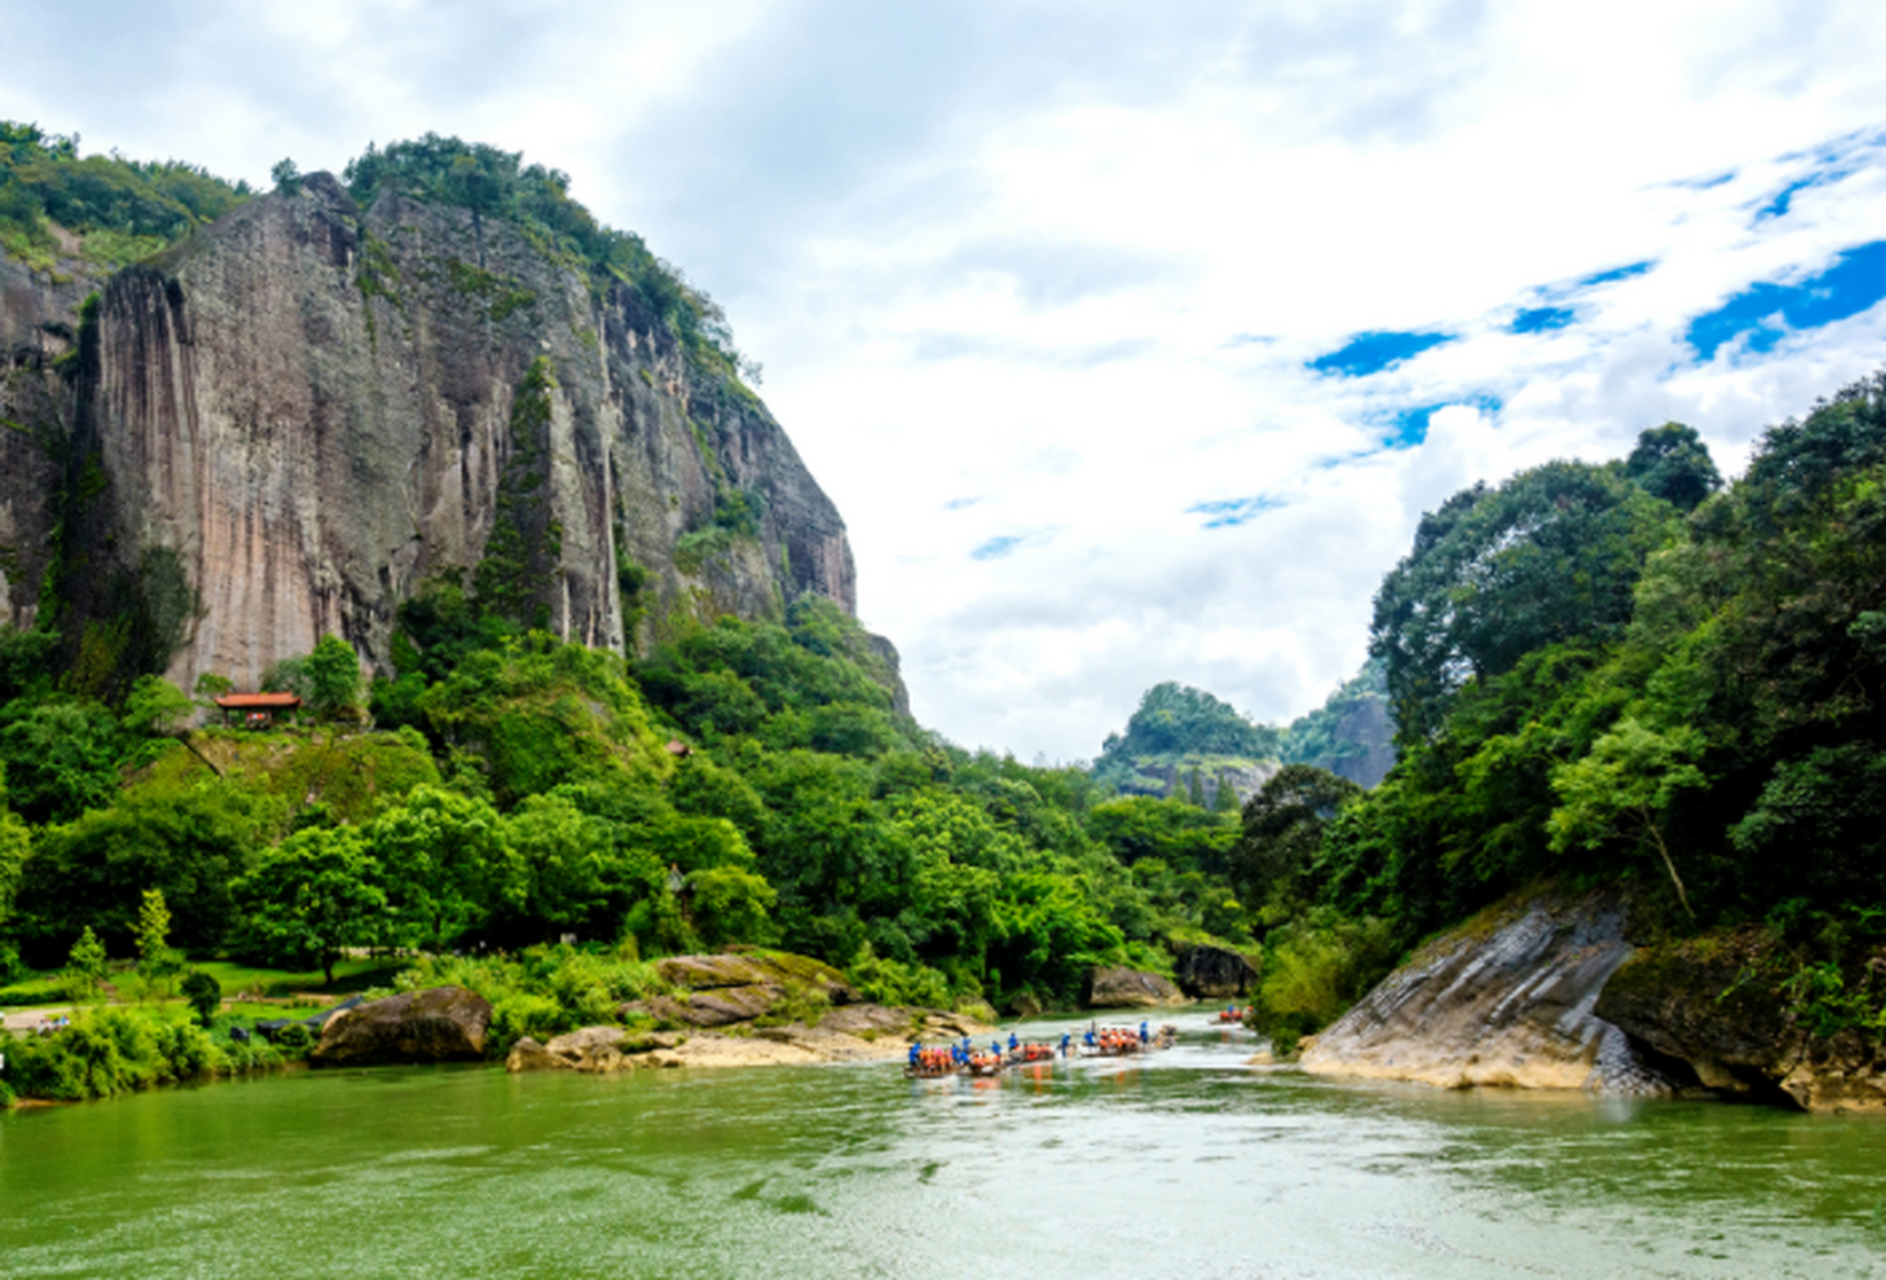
(86, 966)
(122, 209)
(154, 707)
(203, 993)
(108, 1052)
(286, 176)
(524, 553)
(1314, 970)
(333, 677)
(1275, 862)
(1548, 557)
(309, 899)
(1671, 462)
(496, 184)
(541, 991)
(61, 757)
(157, 962)
(1176, 724)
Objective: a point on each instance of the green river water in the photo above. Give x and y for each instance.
(1190, 1164)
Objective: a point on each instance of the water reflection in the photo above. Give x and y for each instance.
(1190, 1162)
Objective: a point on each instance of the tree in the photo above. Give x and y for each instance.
(204, 993)
(287, 177)
(1283, 831)
(1624, 786)
(310, 899)
(87, 966)
(154, 707)
(730, 905)
(334, 679)
(156, 960)
(445, 865)
(1671, 462)
(61, 758)
(1549, 556)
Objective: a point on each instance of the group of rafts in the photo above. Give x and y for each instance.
(964, 1059)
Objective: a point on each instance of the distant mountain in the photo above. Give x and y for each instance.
(1187, 742)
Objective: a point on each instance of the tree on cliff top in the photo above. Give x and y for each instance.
(1175, 719)
(493, 183)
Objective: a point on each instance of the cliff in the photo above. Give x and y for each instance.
(282, 425)
(1551, 991)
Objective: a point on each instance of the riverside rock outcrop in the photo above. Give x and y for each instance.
(1117, 987)
(1718, 1005)
(445, 1024)
(283, 425)
(1507, 999)
(1209, 973)
(722, 990)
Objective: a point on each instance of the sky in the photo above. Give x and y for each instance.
(1132, 341)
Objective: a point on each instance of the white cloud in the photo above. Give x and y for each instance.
(1051, 273)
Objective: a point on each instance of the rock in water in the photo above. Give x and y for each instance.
(445, 1024)
(1208, 973)
(1117, 987)
(1501, 1001)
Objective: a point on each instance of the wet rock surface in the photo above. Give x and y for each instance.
(1508, 999)
(445, 1024)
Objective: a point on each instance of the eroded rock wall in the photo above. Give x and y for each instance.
(290, 420)
(1506, 1000)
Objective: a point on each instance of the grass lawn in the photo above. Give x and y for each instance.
(349, 976)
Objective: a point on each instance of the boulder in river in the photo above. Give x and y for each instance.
(1211, 973)
(1117, 987)
(445, 1024)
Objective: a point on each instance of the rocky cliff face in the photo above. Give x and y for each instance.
(282, 426)
(1505, 1001)
(1550, 992)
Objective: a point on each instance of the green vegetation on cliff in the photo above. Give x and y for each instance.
(120, 210)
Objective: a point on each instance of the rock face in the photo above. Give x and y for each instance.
(280, 427)
(1551, 993)
(445, 1024)
(1505, 1000)
(1210, 973)
(721, 990)
(1716, 1005)
(1117, 987)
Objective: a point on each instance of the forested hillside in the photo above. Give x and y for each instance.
(1186, 742)
(746, 783)
(1621, 674)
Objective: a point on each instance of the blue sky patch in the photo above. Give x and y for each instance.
(1409, 427)
(1368, 353)
(996, 548)
(1614, 274)
(957, 504)
(1228, 513)
(1852, 284)
(1542, 319)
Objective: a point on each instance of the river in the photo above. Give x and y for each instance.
(1191, 1164)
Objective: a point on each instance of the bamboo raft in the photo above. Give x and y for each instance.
(1114, 1042)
